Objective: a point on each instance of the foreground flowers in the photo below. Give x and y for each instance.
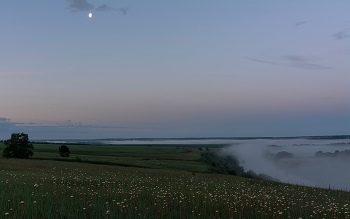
(92, 191)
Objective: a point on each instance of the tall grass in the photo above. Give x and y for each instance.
(51, 189)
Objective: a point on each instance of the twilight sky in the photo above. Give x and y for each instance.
(179, 68)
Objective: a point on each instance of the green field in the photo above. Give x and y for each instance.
(159, 181)
(175, 157)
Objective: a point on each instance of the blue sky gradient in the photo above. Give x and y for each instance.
(174, 69)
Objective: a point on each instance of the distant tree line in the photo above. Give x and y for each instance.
(275, 157)
(336, 154)
(284, 154)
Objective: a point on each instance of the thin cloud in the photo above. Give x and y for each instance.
(342, 34)
(79, 5)
(304, 62)
(3, 119)
(124, 10)
(75, 126)
(296, 58)
(262, 61)
(66, 129)
(69, 123)
(7, 120)
(104, 7)
(300, 23)
(15, 73)
(61, 125)
(291, 61)
(7, 126)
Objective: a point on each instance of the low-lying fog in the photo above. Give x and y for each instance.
(301, 165)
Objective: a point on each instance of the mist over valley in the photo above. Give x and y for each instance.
(321, 163)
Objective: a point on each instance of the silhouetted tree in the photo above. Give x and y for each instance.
(18, 146)
(64, 151)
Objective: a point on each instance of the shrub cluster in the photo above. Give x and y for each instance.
(18, 146)
(229, 164)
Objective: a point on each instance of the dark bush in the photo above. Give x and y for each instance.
(64, 151)
(18, 146)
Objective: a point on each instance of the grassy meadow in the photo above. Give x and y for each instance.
(158, 181)
(174, 157)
